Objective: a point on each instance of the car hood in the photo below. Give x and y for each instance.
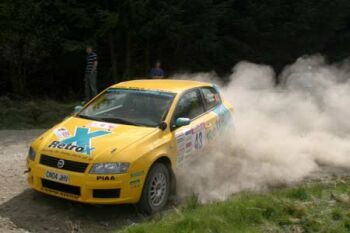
(82, 139)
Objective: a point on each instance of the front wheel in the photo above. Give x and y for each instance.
(156, 190)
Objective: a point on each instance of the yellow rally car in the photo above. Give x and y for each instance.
(125, 144)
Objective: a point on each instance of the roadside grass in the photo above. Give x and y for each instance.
(24, 114)
(310, 207)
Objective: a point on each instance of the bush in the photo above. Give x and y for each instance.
(24, 114)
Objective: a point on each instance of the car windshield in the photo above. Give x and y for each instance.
(129, 106)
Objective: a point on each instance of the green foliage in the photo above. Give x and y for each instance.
(314, 207)
(19, 114)
(42, 42)
(191, 203)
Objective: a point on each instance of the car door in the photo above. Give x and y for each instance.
(190, 139)
(214, 111)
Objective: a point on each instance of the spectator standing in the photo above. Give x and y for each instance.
(157, 71)
(90, 73)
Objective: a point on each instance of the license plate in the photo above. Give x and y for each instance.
(59, 177)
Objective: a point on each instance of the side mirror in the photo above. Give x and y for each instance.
(182, 121)
(163, 125)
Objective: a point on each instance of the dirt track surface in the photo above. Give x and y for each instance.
(24, 210)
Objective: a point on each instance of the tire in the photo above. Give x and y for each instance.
(156, 190)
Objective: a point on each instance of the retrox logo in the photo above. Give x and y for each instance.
(80, 141)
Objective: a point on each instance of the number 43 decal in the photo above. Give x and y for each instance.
(198, 144)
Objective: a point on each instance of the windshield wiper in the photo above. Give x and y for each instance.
(88, 117)
(110, 119)
(118, 120)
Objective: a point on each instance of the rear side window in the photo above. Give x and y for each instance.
(190, 105)
(211, 97)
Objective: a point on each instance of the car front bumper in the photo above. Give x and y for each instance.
(85, 187)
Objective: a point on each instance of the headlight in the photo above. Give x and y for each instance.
(109, 168)
(31, 154)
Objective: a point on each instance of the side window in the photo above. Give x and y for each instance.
(211, 97)
(190, 105)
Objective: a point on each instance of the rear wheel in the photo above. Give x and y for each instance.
(156, 189)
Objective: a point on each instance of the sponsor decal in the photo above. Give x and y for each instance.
(211, 134)
(62, 133)
(135, 183)
(180, 140)
(136, 174)
(189, 132)
(105, 178)
(135, 179)
(224, 118)
(223, 114)
(189, 142)
(80, 142)
(70, 146)
(103, 125)
(58, 193)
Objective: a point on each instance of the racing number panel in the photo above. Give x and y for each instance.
(196, 104)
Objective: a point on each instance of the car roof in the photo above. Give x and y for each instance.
(166, 85)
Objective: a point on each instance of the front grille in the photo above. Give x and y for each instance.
(106, 193)
(68, 164)
(60, 187)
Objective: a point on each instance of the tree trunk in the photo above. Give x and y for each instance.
(18, 79)
(113, 57)
(147, 58)
(127, 73)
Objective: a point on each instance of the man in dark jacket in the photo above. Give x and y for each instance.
(90, 74)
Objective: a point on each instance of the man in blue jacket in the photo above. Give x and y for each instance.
(157, 71)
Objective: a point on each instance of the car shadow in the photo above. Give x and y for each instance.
(37, 212)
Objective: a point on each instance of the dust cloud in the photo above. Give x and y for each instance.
(281, 135)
